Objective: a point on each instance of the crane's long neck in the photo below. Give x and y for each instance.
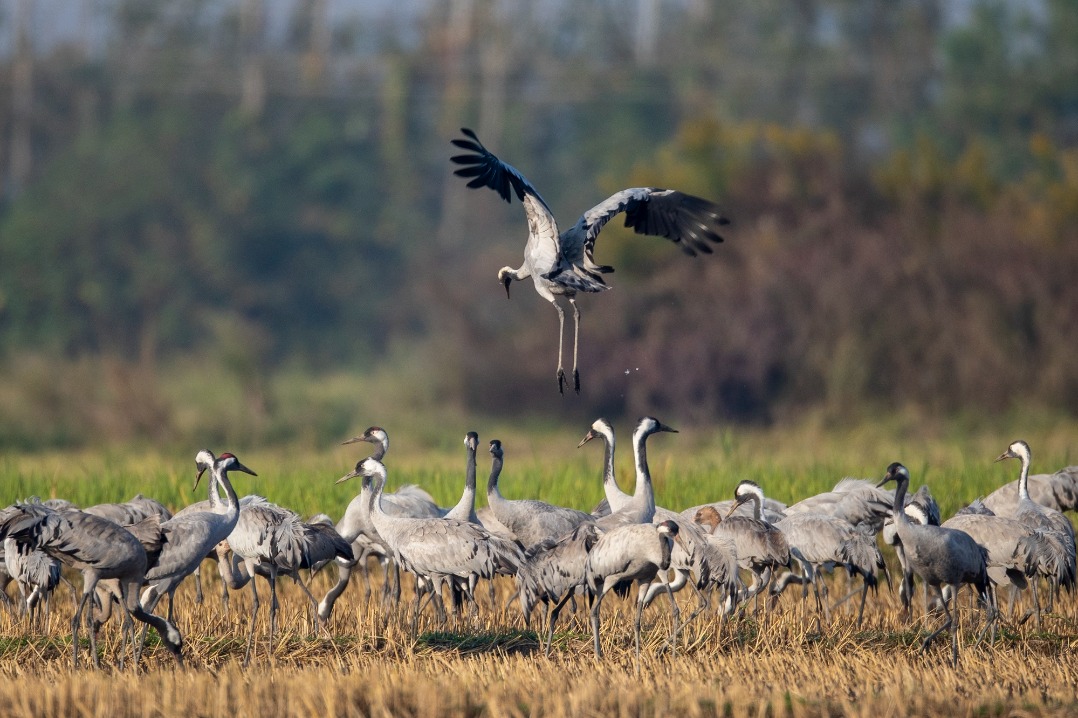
(1023, 477)
(232, 569)
(366, 497)
(380, 449)
(466, 505)
(613, 492)
(898, 511)
(644, 491)
(492, 483)
(219, 477)
(379, 518)
(231, 500)
(213, 491)
(757, 506)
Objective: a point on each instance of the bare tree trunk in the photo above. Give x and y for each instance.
(252, 72)
(494, 62)
(646, 37)
(457, 37)
(22, 96)
(315, 60)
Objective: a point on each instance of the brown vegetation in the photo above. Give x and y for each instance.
(488, 667)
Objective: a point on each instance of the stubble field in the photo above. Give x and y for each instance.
(365, 661)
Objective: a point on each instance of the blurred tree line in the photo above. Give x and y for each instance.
(265, 186)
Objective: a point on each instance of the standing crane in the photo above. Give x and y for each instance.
(920, 508)
(551, 573)
(356, 526)
(761, 548)
(189, 536)
(530, 520)
(35, 573)
(561, 265)
(638, 508)
(465, 511)
(1056, 527)
(694, 554)
(436, 549)
(631, 553)
(1015, 550)
(101, 551)
(942, 557)
(1057, 491)
(273, 541)
(821, 541)
(465, 508)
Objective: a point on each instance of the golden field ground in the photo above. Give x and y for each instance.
(365, 662)
(778, 665)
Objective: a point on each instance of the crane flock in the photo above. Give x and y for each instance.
(131, 554)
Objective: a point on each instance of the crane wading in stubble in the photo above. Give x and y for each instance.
(560, 265)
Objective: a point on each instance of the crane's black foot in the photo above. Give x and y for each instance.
(576, 381)
(561, 381)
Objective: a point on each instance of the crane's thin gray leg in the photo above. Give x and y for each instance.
(641, 592)
(552, 618)
(946, 624)
(561, 336)
(864, 595)
(75, 622)
(954, 633)
(273, 604)
(677, 618)
(198, 585)
(576, 343)
(595, 620)
(702, 604)
(254, 614)
(416, 605)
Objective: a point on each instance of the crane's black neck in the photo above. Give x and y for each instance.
(899, 509)
(469, 470)
(757, 506)
(495, 472)
(640, 452)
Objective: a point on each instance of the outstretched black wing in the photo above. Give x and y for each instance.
(486, 170)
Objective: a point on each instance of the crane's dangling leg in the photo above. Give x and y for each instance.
(576, 343)
(561, 336)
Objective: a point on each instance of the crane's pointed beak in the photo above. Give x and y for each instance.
(884, 482)
(198, 476)
(733, 507)
(664, 427)
(244, 469)
(587, 437)
(353, 440)
(349, 475)
(506, 281)
(1005, 455)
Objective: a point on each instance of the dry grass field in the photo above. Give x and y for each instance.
(778, 665)
(365, 662)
